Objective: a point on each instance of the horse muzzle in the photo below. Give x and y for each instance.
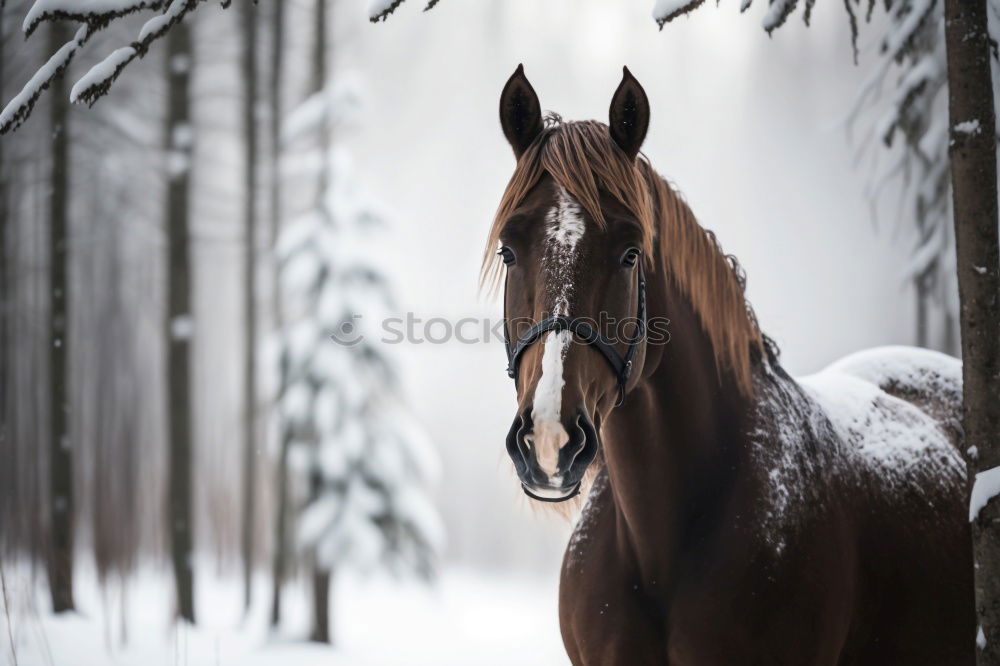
(548, 482)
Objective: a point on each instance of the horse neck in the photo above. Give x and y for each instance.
(672, 450)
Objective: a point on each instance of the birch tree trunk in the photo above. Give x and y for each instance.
(179, 320)
(61, 516)
(974, 182)
(248, 17)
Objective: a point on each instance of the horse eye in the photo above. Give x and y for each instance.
(507, 255)
(630, 256)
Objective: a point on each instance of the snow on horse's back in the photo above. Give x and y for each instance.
(898, 409)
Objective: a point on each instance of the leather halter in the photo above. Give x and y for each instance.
(553, 500)
(621, 366)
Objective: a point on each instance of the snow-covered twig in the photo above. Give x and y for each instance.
(95, 15)
(96, 83)
(379, 10)
(98, 13)
(667, 10)
(17, 111)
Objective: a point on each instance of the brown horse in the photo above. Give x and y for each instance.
(736, 515)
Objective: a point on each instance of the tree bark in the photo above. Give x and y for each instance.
(248, 17)
(7, 450)
(281, 544)
(320, 575)
(281, 501)
(974, 183)
(60, 551)
(321, 605)
(179, 320)
(318, 74)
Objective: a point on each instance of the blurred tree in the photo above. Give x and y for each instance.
(61, 501)
(366, 464)
(248, 79)
(29, 201)
(179, 138)
(274, 126)
(6, 301)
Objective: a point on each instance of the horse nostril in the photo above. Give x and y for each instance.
(585, 441)
(576, 444)
(520, 443)
(578, 438)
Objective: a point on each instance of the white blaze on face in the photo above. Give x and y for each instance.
(564, 229)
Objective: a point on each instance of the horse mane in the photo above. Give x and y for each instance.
(582, 158)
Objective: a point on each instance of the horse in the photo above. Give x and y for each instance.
(735, 515)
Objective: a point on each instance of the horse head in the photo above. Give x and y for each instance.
(575, 294)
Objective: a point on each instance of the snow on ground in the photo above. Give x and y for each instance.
(468, 617)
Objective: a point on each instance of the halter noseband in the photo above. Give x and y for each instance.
(621, 366)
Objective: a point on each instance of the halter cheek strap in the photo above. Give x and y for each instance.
(621, 365)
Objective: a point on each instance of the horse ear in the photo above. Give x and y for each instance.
(629, 115)
(520, 113)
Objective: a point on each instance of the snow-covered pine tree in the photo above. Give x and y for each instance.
(910, 61)
(913, 132)
(367, 464)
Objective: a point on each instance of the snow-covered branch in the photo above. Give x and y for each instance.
(94, 15)
(95, 83)
(20, 107)
(379, 10)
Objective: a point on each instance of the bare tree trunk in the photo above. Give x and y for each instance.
(951, 344)
(922, 281)
(281, 501)
(923, 301)
(179, 321)
(321, 580)
(318, 79)
(7, 450)
(60, 552)
(281, 539)
(249, 75)
(320, 575)
(974, 182)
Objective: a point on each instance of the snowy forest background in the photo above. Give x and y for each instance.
(387, 161)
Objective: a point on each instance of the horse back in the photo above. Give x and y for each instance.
(926, 379)
(896, 412)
